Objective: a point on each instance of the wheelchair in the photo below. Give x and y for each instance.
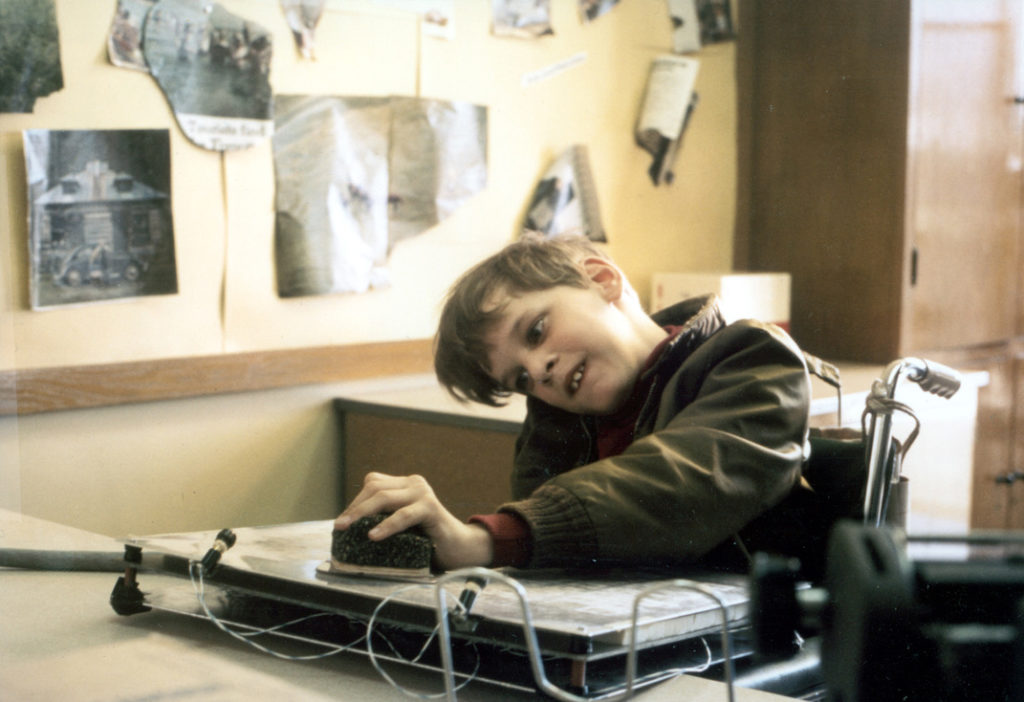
(884, 625)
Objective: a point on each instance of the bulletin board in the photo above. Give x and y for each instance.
(226, 329)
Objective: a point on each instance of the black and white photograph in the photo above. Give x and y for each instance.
(525, 19)
(564, 201)
(715, 21)
(590, 10)
(670, 101)
(30, 65)
(214, 68)
(100, 215)
(124, 43)
(685, 26)
(303, 16)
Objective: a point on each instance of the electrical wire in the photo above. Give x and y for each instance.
(196, 576)
(459, 607)
(195, 572)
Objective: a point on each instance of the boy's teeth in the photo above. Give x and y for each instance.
(576, 378)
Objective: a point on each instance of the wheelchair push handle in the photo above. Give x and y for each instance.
(934, 378)
(938, 379)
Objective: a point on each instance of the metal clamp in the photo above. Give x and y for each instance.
(533, 647)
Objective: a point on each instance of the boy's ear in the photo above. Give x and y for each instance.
(606, 276)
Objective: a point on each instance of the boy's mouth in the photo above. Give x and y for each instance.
(576, 377)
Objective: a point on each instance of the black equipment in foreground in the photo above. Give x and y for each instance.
(945, 625)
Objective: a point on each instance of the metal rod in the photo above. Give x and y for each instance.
(533, 647)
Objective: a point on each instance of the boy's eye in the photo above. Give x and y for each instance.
(536, 330)
(522, 381)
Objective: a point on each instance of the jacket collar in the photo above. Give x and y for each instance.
(699, 317)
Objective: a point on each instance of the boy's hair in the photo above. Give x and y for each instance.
(529, 264)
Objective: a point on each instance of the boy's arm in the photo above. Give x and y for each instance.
(728, 445)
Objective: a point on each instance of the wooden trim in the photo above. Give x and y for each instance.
(344, 405)
(32, 391)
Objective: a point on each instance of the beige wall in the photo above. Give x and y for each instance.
(269, 456)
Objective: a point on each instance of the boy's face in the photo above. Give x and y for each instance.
(573, 348)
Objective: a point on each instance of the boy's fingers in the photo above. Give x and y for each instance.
(386, 496)
(373, 483)
(402, 519)
(365, 507)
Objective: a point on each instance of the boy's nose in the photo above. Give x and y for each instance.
(545, 365)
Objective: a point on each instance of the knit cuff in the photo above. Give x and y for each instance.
(510, 536)
(561, 532)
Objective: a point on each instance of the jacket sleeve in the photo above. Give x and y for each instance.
(727, 443)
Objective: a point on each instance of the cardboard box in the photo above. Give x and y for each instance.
(762, 296)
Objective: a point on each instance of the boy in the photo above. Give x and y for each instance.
(648, 440)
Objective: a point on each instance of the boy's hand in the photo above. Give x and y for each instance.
(413, 502)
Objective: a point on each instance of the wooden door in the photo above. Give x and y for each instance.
(823, 119)
(1015, 489)
(994, 438)
(964, 176)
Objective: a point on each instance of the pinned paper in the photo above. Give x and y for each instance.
(100, 215)
(590, 10)
(124, 42)
(522, 18)
(565, 199)
(303, 17)
(30, 50)
(715, 21)
(214, 68)
(685, 26)
(356, 175)
(669, 102)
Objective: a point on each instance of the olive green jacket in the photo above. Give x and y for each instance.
(713, 472)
